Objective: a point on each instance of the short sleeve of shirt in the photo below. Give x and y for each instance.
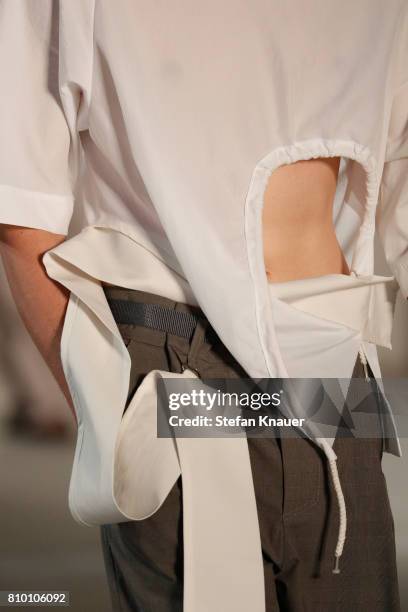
(36, 185)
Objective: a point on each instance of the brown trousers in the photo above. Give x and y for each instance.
(297, 509)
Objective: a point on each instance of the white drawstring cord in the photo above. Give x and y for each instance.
(341, 537)
(332, 460)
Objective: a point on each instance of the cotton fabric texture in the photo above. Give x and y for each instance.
(147, 134)
(176, 116)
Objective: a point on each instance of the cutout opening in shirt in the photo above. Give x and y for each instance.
(353, 216)
(298, 231)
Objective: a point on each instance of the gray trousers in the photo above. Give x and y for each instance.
(297, 511)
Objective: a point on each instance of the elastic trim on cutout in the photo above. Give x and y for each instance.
(301, 150)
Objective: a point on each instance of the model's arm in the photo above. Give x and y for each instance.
(40, 301)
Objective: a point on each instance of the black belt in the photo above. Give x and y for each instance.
(177, 322)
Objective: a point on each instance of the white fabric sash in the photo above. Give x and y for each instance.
(122, 471)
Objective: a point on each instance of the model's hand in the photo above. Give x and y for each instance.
(40, 300)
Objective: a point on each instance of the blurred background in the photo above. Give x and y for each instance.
(42, 547)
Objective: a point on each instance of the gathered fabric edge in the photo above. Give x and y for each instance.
(287, 154)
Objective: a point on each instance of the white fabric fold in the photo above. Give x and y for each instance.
(322, 323)
(218, 499)
(122, 471)
(356, 301)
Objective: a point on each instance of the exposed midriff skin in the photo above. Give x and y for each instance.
(299, 240)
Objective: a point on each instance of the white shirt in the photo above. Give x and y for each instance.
(182, 113)
(146, 132)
